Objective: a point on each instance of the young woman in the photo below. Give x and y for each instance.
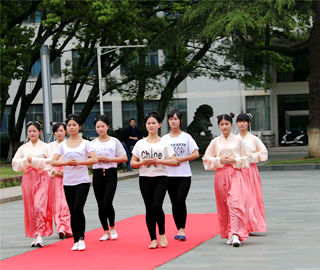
(31, 158)
(77, 154)
(151, 155)
(259, 153)
(110, 152)
(179, 178)
(227, 154)
(60, 207)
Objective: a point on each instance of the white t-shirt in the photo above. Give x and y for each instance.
(144, 150)
(183, 145)
(74, 175)
(111, 148)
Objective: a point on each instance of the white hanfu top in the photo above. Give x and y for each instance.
(52, 148)
(183, 145)
(161, 150)
(232, 147)
(38, 152)
(75, 175)
(111, 148)
(258, 149)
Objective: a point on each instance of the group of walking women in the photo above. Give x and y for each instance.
(56, 182)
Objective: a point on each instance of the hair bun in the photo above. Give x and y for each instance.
(231, 115)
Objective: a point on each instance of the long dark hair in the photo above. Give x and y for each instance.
(225, 116)
(75, 117)
(56, 125)
(244, 117)
(173, 112)
(153, 114)
(101, 118)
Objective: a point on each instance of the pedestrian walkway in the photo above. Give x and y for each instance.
(292, 211)
(15, 193)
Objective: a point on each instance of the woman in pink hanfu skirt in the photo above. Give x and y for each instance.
(259, 153)
(227, 154)
(32, 158)
(60, 207)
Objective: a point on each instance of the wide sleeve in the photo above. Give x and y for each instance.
(19, 162)
(120, 151)
(261, 154)
(244, 160)
(210, 159)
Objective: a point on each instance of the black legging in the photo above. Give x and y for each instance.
(104, 187)
(153, 190)
(76, 198)
(178, 189)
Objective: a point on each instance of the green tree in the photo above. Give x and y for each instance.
(262, 34)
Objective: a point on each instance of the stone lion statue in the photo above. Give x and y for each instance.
(199, 127)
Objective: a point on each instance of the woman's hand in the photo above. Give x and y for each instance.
(29, 159)
(103, 159)
(73, 162)
(146, 161)
(227, 160)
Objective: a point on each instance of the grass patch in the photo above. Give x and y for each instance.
(8, 172)
(294, 161)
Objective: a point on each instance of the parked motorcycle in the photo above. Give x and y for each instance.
(289, 138)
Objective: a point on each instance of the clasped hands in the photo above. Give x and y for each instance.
(227, 160)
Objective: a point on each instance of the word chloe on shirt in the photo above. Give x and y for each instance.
(145, 150)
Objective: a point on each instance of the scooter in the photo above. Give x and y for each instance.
(289, 139)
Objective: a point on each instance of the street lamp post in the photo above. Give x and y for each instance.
(110, 49)
(67, 63)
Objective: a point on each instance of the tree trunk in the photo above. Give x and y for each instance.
(314, 83)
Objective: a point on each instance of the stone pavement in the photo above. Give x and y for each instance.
(292, 204)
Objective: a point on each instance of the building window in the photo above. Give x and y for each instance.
(55, 68)
(152, 60)
(36, 68)
(75, 63)
(259, 107)
(301, 70)
(5, 121)
(181, 105)
(129, 110)
(88, 127)
(35, 113)
(35, 17)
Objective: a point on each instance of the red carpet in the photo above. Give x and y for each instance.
(129, 251)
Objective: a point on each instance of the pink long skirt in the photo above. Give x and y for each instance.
(256, 208)
(60, 207)
(37, 205)
(230, 190)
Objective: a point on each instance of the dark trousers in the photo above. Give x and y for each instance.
(153, 190)
(178, 189)
(104, 187)
(76, 198)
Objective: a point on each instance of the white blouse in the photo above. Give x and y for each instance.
(183, 145)
(75, 175)
(145, 150)
(259, 150)
(232, 147)
(52, 148)
(39, 153)
(111, 148)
